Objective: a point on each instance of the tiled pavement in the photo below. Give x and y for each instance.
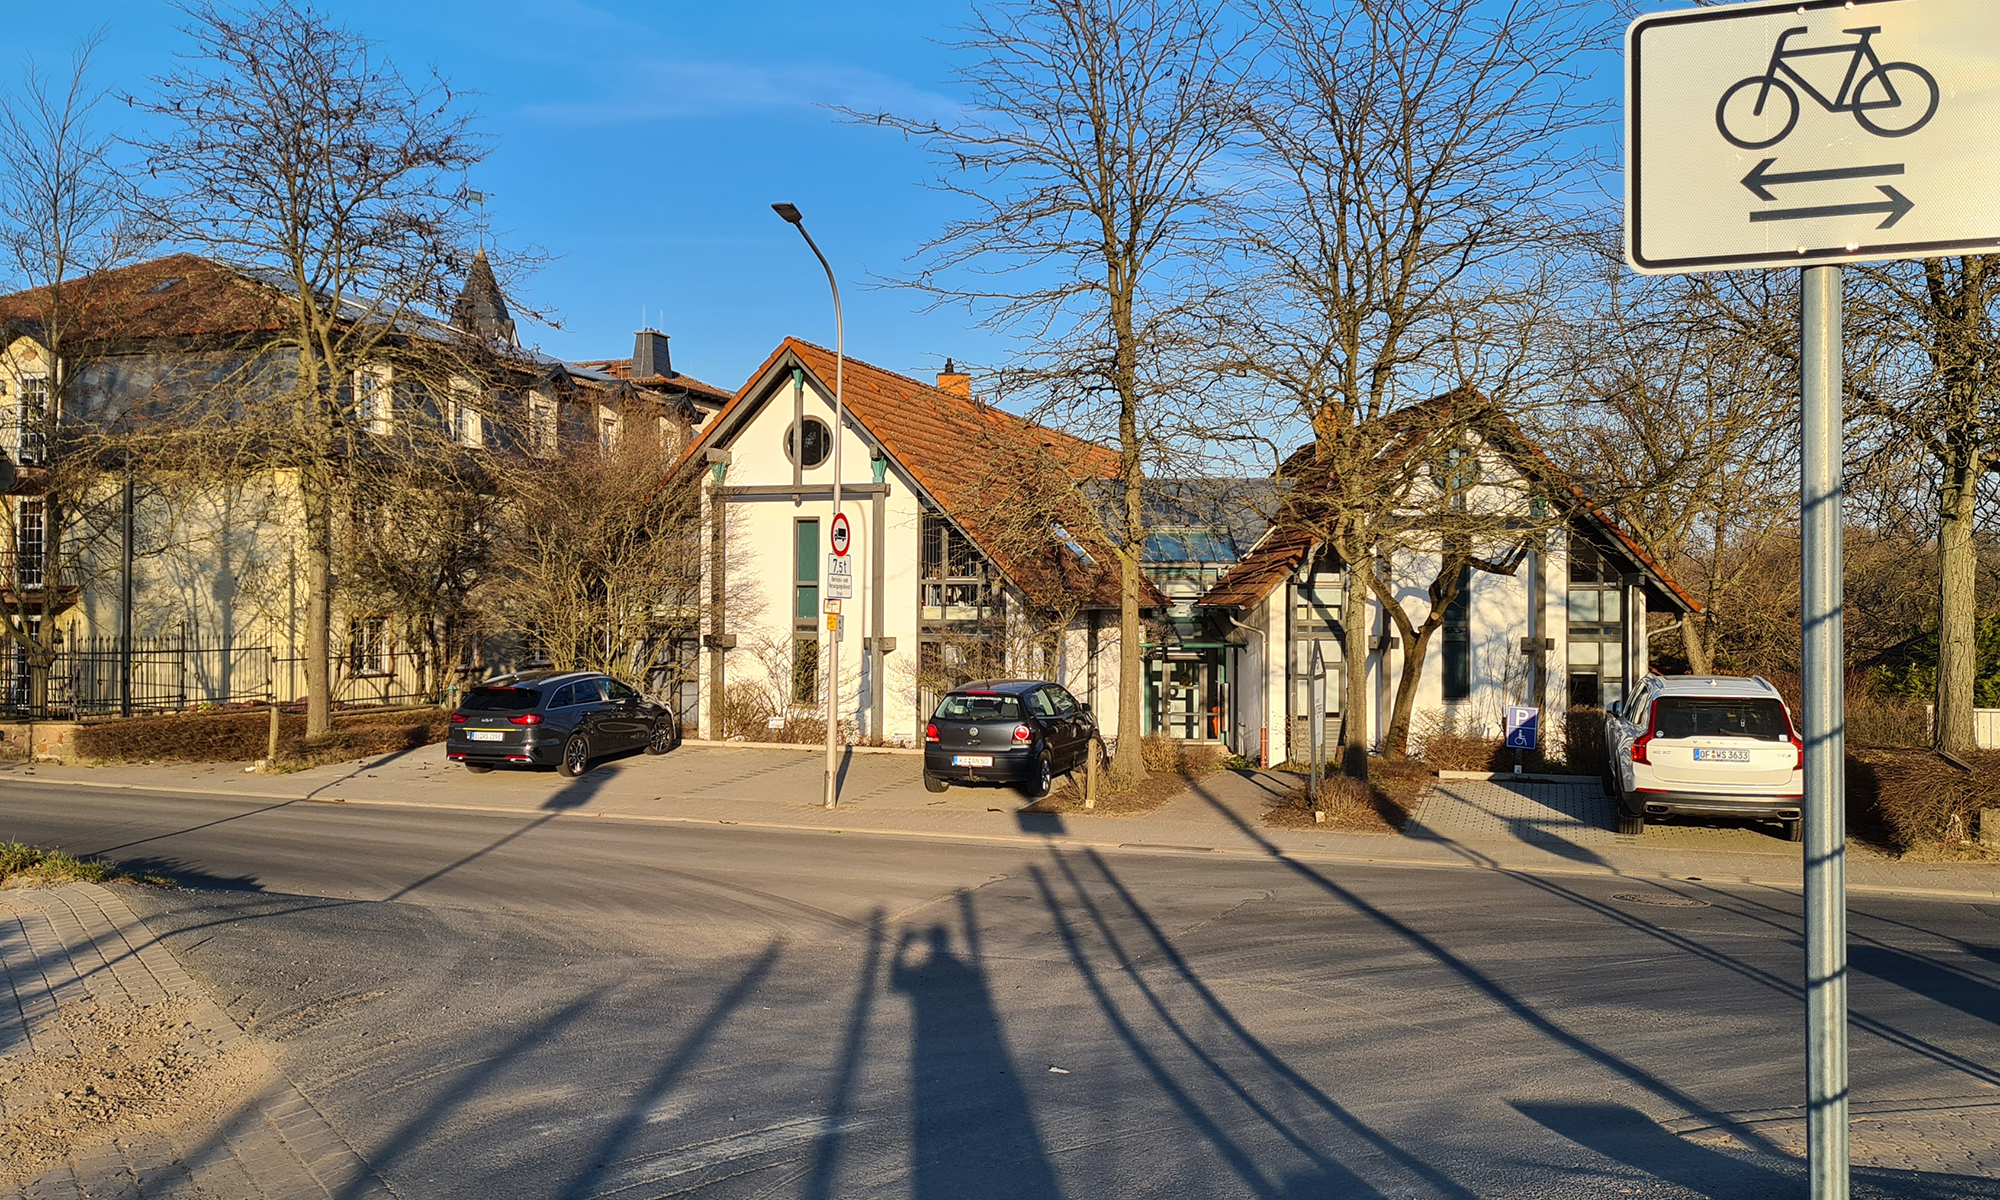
(67, 948)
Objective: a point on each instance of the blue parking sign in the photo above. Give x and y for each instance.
(1522, 724)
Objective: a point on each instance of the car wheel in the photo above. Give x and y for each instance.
(1631, 824)
(575, 757)
(1795, 831)
(1610, 780)
(664, 736)
(933, 784)
(1044, 778)
(478, 768)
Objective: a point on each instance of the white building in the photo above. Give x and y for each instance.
(962, 562)
(1567, 627)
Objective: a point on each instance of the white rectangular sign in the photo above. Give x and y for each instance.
(1761, 135)
(839, 577)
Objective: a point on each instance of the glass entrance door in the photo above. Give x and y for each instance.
(1190, 699)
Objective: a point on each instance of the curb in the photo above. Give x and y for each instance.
(814, 747)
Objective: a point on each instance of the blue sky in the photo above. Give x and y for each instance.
(642, 145)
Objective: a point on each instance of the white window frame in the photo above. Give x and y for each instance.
(544, 425)
(28, 442)
(462, 420)
(368, 651)
(375, 399)
(610, 428)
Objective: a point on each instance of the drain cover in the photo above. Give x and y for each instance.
(1660, 899)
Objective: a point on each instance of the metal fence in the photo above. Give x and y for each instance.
(104, 677)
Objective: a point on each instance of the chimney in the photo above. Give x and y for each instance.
(649, 355)
(955, 381)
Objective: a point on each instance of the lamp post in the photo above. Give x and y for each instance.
(790, 212)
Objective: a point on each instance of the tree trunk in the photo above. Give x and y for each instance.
(1129, 764)
(1396, 741)
(1694, 627)
(1354, 656)
(318, 501)
(1957, 558)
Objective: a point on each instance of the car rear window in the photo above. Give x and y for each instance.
(963, 707)
(1700, 716)
(501, 699)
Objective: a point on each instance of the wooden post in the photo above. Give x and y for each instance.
(271, 749)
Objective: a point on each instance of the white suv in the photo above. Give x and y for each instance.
(1704, 745)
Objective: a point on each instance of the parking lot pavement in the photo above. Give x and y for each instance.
(1577, 815)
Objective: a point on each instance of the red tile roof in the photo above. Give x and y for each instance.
(179, 296)
(621, 368)
(1002, 478)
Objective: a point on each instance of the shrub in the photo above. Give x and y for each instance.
(1583, 739)
(1162, 752)
(1912, 798)
(244, 735)
(747, 711)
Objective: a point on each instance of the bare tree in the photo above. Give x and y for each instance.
(597, 560)
(1086, 165)
(1414, 181)
(288, 143)
(1931, 373)
(61, 202)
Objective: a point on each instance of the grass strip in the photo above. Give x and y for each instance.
(22, 865)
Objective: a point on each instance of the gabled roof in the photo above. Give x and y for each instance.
(1003, 479)
(705, 394)
(1285, 545)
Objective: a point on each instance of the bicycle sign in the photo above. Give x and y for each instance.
(1877, 103)
(1769, 134)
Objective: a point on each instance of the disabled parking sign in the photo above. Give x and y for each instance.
(1522, 726)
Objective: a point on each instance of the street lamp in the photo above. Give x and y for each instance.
(790, 212)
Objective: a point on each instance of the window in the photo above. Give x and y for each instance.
(30, 436)
(1596, 627)
(805, 670)
(805, 571)
(954, 573)
(462, 421)
(1700, 716)
(1320, 595)
(368, 646)
(1039, 703)
(610, 427)
(1064, 702)
(374, 400)
(542, 428)
(964, 707)
(500, 700)
(31, 534)
(819, 442)
(618, 691)
(1457, 631)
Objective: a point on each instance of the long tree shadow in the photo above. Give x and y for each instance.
(974, 1134)
(847, 1071)
(1628, 1136)
(1495, 991)
(683, 1056)
(1238, 1157)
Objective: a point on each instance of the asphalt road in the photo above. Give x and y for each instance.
(556, 1006)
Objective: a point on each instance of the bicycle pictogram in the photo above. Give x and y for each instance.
(1873, 94)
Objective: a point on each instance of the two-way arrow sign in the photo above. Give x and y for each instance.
(1762, 179)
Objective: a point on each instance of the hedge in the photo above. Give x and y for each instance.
(242, 736)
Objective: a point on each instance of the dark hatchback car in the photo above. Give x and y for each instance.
(563, 720)
(1022, 732)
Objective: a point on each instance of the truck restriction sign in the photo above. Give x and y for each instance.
(839, 535)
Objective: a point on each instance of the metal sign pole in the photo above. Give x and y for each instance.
(1825, 812)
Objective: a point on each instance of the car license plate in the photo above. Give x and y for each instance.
(972, 760)
(1707, 755)
(485, 735)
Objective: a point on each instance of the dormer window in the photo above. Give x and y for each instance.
(374, 400)
(542, 430)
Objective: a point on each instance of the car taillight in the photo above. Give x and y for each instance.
(1023, 735)
(458, 718)
(1639, 748)
(930, 733)
(1800, 746)
(527, 719)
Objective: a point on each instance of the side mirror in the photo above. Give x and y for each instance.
(1611, 709)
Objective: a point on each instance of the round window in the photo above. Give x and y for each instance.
(819, 442)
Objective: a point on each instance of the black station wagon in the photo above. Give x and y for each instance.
(1023, 732)
(563, 720)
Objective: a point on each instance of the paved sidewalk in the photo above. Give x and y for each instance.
(77, 951)
(1530, 826)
